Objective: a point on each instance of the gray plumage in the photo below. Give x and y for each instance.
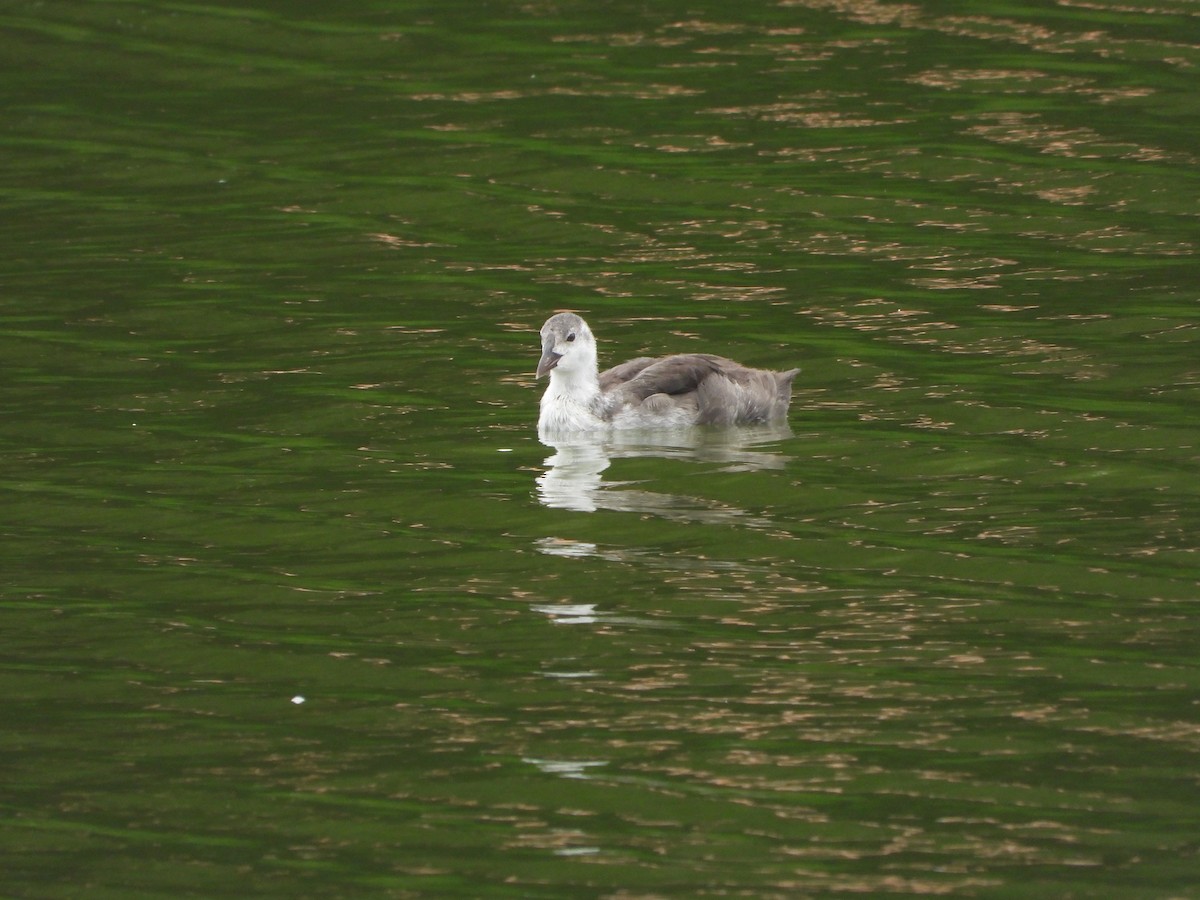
(669, 391)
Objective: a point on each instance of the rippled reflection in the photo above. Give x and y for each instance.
(574, 473)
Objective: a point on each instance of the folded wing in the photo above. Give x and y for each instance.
(718, 390)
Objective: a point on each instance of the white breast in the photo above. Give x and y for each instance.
(562, 412)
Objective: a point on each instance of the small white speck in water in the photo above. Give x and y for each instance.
(297, 699)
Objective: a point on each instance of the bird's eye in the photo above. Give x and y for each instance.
(570, 337)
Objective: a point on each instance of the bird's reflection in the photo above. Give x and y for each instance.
(574, 473)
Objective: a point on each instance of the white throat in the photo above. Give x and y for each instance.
(572, 402)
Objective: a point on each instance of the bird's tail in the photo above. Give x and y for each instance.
(783, 382)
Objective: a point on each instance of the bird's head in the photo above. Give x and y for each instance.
(567, 346)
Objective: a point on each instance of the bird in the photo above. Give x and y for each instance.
(681, 390)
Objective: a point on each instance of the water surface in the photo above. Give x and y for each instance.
(297, 604)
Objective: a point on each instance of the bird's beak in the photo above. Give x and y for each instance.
(548, 361)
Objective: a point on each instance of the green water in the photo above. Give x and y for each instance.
(295, 603)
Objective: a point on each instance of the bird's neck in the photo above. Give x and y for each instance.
(577, 384)
(572, 401)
